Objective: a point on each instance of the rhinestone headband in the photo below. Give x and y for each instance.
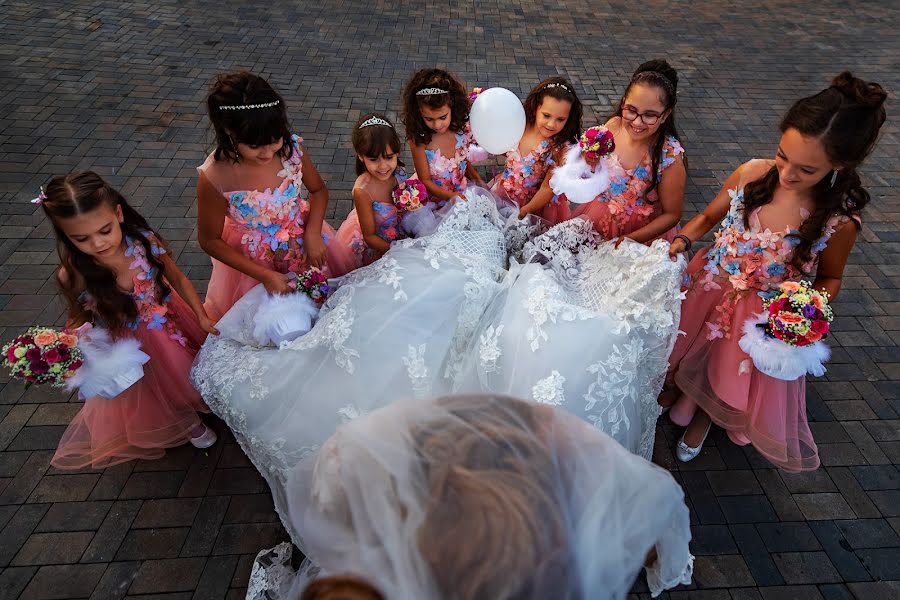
(375, 121)
(559, 85)
(432, 91)
(251, 106)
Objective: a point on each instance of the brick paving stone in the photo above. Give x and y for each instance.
(118, 87)
(839, 551)
(115, 581)
(806, 567)
(170, 575)
(721, 571)
(111, 533)
(64, 581)
(13, 580)
(167, 512)
(142, 544)
(74, 516)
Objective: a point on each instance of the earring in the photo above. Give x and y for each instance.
(833, 177)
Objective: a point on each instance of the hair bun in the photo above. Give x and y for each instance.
(868, 94)
(661, 66)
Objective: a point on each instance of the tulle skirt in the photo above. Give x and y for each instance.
(155, 413)
(228, 285)
(720, 378)
(611, 227)
(556, 211)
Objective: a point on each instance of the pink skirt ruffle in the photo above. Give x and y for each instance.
(597, 212)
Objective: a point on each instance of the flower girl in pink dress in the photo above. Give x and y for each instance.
(644, 203)
(374, 221)
(116, 273)
(553, 121)
(252, 217)
(435, 114)
(781, 220)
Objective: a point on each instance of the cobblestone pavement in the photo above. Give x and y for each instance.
(118, 87)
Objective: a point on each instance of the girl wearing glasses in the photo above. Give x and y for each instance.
(645, 202)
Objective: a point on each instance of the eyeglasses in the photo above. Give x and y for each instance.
(648, 118)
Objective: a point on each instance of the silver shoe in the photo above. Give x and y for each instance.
(685, 453)
(205, 439)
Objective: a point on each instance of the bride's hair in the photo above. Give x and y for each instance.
(493, 524)
(340, 587)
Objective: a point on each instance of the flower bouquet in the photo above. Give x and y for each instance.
(586, 171)
(785, 341)
(417, 215)
(43, 356)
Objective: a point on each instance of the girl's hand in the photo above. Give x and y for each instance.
(677, 247)
(314, 250)
(277, 283)
(522, 213)
(208, 326)
(619, 241)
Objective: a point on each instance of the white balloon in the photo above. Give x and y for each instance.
(498, 120)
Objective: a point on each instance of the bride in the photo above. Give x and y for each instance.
(480, 496)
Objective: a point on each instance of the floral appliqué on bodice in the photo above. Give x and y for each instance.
(153, 313)
(450, 172)
(744, 261)
(523, 175)
(387, 220)
(274, 219)
(627, 197)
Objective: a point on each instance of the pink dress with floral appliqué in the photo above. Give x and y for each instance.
(626, 206)
(387, 223)
(522, 178)
(729, 282)
(267, 227)
(449, 172)
(159, 410)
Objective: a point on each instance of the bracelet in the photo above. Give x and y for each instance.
(687, 241)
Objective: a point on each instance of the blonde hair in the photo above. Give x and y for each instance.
(493, 470)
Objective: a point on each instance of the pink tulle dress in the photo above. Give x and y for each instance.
(729, 282)
(159, 410)
(387, 223)
(449, 172)
(266, 226)
(626, 207)
(523, 176)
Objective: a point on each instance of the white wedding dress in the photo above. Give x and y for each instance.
(585, 326)
(396, 329)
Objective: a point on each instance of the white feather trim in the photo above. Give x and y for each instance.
(577, 181)
(110, 367)
(778, 359)
(477, 154)
(283, 318)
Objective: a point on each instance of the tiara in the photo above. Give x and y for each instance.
(250, 106)
(559, 85)
(375, 121)
(432, 91)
